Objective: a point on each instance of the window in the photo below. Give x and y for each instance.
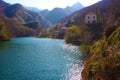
(94, 21)
(88, 21)
(88, 17)
(94, 17)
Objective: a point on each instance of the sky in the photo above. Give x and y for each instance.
(50, 4)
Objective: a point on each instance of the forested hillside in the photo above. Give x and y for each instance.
(99, 41)
(56, 14)
(20, 22)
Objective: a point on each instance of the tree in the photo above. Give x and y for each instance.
(85, 34)
(109, 30)
(3, 31)
(97, 11)
(73, 35)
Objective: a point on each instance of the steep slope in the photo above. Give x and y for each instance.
(23, 15)
(17, 11)
(104, 60)
(80, 14)
(103, 10)
(73, 8)
(34, 9)
(69, 10)
(103, 7)
(16, 21)
(14, 28)
(77, 6)
(44, 12)
(56, 14)
(103, 56)
(3, 5)
(41, 19)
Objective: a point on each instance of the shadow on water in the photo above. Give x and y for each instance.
(39, 59)
(4, 43)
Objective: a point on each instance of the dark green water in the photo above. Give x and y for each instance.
(39, 59)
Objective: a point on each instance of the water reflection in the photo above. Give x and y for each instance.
(3, 43)
(76, 65)
(39, 59)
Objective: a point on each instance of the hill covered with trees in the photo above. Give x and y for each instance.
(98, 41)
(19, 21)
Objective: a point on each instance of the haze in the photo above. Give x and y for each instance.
(50, 4)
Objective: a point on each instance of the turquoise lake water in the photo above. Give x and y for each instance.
(39, 59)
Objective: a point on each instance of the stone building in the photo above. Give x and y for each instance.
(90, 18)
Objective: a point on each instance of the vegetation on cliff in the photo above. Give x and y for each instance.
(99, 42)
(73, 35)
(16, 21)
(104, 59)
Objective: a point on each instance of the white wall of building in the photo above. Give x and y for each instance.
(90, 18)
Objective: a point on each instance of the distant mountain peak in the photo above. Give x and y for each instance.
(67, 7)
(56, 8)
(34, 9)
(56, 14)
(1, 1)
(77, 6)
(46, 9)
(78, 2)
(18, 5)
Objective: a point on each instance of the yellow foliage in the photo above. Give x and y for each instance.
(104, 63)
(4, 35)
(73, 35)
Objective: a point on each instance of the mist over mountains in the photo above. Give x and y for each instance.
(57, 13)
(18, 21)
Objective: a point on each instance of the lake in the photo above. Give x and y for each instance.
(39, 59)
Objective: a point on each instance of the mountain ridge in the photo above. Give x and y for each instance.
(17, 21)
(62, 12)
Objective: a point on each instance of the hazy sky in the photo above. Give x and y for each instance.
(50, 4)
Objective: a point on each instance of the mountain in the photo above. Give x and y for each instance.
(12, 18)
(34, 9)
(23, 15)
(79, 15)
(100, 8)
(44, 12)
(103, 57)
(69, 9)
(58, 13)
(77, 6)
(102, 53)
(3, 5)
(17, 11)
(17, 21)
(73, 8)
